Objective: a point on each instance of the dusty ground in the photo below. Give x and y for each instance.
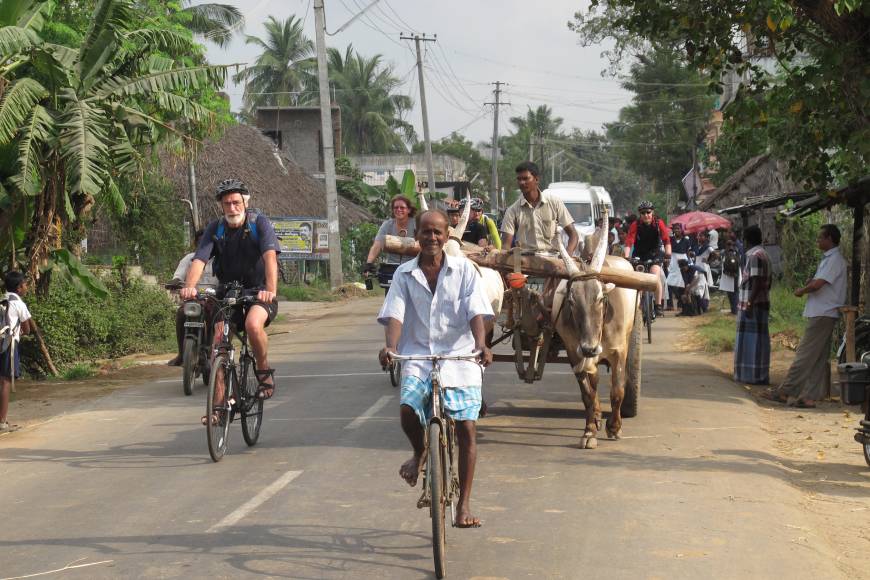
(815, 447)
(37, 402)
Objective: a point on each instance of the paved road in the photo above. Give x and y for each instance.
(125, 488)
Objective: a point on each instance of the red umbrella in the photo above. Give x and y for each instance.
(696, 221)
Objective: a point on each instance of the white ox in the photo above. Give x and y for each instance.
(596, 322)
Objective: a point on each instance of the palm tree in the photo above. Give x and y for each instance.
(215, 22)
(539, 122)
(282, 70)
(372, 115)
(74, 122)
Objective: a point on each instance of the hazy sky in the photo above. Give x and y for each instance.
(525, 44)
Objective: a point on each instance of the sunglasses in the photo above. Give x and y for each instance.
(400, 207)
(646, 212)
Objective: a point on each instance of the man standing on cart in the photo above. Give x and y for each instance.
(532, 221)
(435, 306)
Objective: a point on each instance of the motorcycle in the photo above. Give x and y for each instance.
(196, 349)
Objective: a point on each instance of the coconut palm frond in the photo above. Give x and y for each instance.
(170, 41)
(17, 105)
(216, 22)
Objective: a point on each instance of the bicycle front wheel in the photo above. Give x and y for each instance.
(435, 481)
(251, 405)
(217, 409)
(648, 316)
(395, 373)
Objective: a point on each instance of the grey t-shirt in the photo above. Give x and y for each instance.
(390, 228)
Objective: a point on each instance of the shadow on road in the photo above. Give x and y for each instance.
(283, 551)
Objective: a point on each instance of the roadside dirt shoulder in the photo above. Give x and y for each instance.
(816, 450)
(38, 402)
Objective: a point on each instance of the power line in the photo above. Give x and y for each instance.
(393, 10)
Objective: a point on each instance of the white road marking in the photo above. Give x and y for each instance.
(255, 501)
(379, 404)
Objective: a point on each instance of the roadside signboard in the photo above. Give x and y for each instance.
(302, 238)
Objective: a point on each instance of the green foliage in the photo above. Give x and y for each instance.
(65, 265)
(284, 69)
(76, 327)
(79, 371)
(152, 230)
(717, 331)
(318, 291)
(80, 117)
(819, 52)
(655, 135)
(372, 110)
(355, 244)
(800, 255)
(462, 148)
(374, 199)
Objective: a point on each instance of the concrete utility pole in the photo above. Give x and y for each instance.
(553, 164)
(191, 183)
(336, 278)
(418, 38)
(494, 185)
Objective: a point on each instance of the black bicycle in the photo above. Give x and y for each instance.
(440, 469)
(647, 298)
(233, 386)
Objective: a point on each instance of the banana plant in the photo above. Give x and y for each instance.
(74, 121)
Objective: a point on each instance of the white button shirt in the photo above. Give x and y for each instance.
(826, 300)
(439, 323)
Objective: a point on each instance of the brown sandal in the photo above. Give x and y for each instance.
(262, 386)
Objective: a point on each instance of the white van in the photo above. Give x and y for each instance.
(580, 201)
(585, 203)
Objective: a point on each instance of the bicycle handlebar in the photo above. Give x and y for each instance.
(437, 357)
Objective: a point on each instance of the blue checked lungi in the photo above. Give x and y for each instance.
(752, 347)
(459, 404)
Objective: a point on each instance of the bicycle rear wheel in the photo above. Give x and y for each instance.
(217, 433)
(251, 405)
(435, 481)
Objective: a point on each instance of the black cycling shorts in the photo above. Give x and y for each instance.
(239, 314)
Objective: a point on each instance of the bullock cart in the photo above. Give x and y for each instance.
(593, 317)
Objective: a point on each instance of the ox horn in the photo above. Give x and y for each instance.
(570, 264)
(601, 249)
(463, 221)
(424, 205)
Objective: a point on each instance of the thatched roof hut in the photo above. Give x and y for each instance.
(278, 186)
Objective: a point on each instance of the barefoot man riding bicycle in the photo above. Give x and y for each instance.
(436, 306)
(245, 249)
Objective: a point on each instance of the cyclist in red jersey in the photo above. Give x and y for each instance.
(645, 236)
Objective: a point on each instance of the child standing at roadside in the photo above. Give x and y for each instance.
(15, 323)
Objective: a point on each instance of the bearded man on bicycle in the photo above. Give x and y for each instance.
(435, 305)
(245, 249)
(645, 237)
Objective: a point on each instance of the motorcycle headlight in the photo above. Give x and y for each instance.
(192, 309)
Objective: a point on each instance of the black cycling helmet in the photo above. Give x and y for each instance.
(476, 204)
(230, 186)
(645, 204)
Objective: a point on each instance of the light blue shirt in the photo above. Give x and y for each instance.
(437, 323)
(826, 300)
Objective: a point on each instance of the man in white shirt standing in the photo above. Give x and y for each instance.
(810, 374)
(435, 306)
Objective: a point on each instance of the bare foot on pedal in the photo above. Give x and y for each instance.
(410, 471)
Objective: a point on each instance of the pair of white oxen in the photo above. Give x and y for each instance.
(594, 320)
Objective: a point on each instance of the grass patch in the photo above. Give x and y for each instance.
(717, 331)
(316, 292)
(79, 371)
